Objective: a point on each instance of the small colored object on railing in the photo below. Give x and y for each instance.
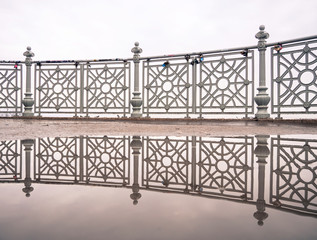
(201, 57)
(244, 52)
(16, 65)
(278, 47)
(195, 61)
(166, 64)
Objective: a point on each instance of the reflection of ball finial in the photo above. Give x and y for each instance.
(135, 202)
(136, 44)
(260, 223)
(262, 27)
(28, 195)
(28, 48)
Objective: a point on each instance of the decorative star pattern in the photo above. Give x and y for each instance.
(294, 78)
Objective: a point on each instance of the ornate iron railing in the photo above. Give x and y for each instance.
(227, 168)
(294, 78)
(11, 88)
(82, 88)
(201, 84)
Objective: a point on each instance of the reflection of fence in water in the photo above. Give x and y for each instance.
(226, 167)
(293, 174)
(217, 166)
(221, 167)
(10, 160)
(90, 160)
(167, 163)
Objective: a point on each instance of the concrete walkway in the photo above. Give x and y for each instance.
(23, 128)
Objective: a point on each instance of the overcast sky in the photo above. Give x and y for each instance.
(92, 29)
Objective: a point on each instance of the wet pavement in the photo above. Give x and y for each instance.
(19, 128)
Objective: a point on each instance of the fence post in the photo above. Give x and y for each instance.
(136, 100)
(262, 99)
(28, 100)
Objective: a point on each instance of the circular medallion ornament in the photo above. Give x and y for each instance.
(167, 86)
(105, 88)
(306, 175)
(307, 77)
(58, 88)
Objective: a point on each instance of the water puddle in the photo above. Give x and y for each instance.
(154, 187)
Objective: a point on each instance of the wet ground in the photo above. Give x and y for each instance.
(19, 128)
(81, 178)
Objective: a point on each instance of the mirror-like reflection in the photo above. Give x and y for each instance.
(263, 171)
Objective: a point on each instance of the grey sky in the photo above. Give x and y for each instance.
(81, 29)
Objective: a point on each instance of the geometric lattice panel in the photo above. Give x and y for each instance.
(57, 159)
(294, 174)
(106, 160)
(57, 88)
(225, 83)
(10, 88)
(294, 76)
(225, 167)
(166, 163)
(167, 86)
(10, 160)
(76, 88)
(107, 88)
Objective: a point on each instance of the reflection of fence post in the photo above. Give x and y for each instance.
(136, 100)
(262, 152)
(262, 99)
(28, 100)
(28, 143)
(136, 145)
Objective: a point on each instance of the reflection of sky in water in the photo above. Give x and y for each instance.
(78, 212)
(87, 212)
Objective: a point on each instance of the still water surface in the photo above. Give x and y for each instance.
(120, 187)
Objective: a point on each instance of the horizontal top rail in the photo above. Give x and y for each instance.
(169, 55)
(292, 41)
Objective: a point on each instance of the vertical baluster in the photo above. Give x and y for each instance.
(28, 101)
(136, 100)
(262, 99)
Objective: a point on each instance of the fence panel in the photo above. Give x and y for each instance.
(57, 88)
(167, 87)
(10, 88)
(226, 84)
(294, 78)
(107, 88)
(90, 88)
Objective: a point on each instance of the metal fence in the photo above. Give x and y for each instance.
(201, 84)
(82, 88)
